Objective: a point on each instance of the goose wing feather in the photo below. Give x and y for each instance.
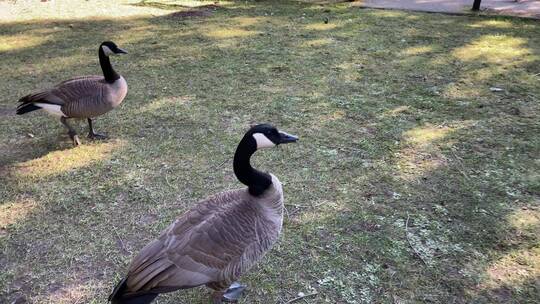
(83, 96)
(214, 242)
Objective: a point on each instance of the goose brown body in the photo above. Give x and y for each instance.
(212, 244)
(82, 97)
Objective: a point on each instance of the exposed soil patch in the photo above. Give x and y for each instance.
(6, 112)
(201, 11)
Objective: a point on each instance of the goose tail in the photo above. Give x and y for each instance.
(28, 103)
(117, 296)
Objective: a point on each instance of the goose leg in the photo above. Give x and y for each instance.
(92, 134)
(72, 134)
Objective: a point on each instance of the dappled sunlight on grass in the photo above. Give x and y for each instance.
(328, 117)
(426, 135)
(248, 21)
(236, 28)
(166, 104)
(499, 49)
(390, 13)
(414, 163)
(492, 23)
(320, 26)
(396, 111)
(421, 153)
(59, 162)
(417, 50)
(20, 41)
(513, 268)
(325, 210)
(317, 42)
(494, 56)
(12, 212)
(73, 293)
(235, 32)
(525, 219)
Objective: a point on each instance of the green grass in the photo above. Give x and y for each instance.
(396, 120)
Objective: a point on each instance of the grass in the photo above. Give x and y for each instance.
(396, 120)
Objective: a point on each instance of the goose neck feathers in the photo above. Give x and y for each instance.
(258, 182)
(108, 71)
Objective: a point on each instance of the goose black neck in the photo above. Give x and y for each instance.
(257, 181)
(108, 72)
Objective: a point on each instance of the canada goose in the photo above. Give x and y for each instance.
(82, 97)
(219, 239)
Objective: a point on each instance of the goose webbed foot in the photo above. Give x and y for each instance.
(75, 139)
(92, 134)
(98, 136)
(233, 293)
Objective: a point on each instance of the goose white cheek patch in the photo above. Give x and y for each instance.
(262, 141)
(107, 50)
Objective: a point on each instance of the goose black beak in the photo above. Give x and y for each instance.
(285, 138)
(121, 51)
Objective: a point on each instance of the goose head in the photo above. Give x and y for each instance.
(267, 136)
(110, 48)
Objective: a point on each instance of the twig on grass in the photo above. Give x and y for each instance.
(301, 298)
(460, 164)
(168, 183)
(212, 168)
(409, 241)
(121, 242)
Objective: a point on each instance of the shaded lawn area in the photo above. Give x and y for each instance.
(396, 120)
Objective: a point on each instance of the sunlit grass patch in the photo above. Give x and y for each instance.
(492, 23)
(417, 50)
(496, 49)
(249, 21)
(73, 293)
(525, 219)
(21, 41)
(12, 212)
(230, 33)
(318, 42)
(64, 161)
(426, 135)
(166, 104)
(321, 26)
(514, 268)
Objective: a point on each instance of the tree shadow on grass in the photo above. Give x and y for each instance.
(386, 133)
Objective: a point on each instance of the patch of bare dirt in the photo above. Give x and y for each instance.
(6, 112)
(201, 11)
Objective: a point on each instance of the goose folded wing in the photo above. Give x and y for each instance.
(81, 96)
(197, 249)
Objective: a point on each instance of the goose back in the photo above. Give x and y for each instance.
(90, 96)
(212, 244)
(86, 96)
